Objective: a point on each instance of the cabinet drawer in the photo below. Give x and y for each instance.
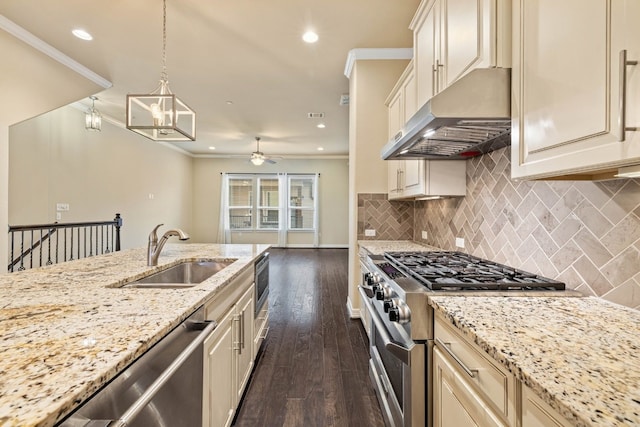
(492, 381)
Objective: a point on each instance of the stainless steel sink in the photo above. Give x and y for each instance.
(184, 275)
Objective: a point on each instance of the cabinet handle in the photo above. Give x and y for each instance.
(434, 78)
(264, 333)
(236, 344)
(242, 331)
(623, 95)
(445, 346)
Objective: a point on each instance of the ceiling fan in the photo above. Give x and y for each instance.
(258, 157)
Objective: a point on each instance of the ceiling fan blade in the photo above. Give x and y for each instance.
(272, 162)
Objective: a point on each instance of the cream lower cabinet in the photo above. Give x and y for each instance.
(456, 403)
(472, 389)
(469, 388)
(572, 90)
(228, 351)
(537, 413)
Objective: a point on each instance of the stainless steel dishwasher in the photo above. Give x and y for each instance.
(161, 388)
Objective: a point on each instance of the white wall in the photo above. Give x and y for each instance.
(53, 159)
(332, 189)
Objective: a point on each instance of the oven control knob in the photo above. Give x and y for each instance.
(373, 278)
(388, 304)
(383, 292)
(400, 313)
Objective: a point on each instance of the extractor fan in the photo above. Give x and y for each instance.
(258, 157)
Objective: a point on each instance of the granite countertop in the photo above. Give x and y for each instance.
(580, 355)
(65, 330)
(379, 247)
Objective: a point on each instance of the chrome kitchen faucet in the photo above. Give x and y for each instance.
(155, 247)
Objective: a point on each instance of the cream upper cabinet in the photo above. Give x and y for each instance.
(452, 37)
(572, 90)
(418, 178)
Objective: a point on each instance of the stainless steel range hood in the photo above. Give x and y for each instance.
(469, 118)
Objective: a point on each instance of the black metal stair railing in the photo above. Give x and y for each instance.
(46, 244)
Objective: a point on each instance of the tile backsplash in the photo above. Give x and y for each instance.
(586, 234)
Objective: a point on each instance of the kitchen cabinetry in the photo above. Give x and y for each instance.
(418, 178)
(456, 403)
(469, 388)
(572, 91)
(537, 413)
(228, 351)
(452, 37)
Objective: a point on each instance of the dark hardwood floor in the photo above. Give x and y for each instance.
(314, 367)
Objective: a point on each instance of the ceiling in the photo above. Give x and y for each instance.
(240, 64)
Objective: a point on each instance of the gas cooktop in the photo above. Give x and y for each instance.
(460, 271)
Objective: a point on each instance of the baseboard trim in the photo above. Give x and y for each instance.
(354, 313)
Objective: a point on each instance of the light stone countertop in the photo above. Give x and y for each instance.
(65, 330)
(379, 247)
(580, 355)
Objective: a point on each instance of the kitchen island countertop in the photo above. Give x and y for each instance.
(65, 330)
(580, 355)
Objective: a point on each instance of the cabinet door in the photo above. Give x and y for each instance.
(567, 87)
(455, 403)
(537, 413)
(463, 36)
(219, 357)
(394, 186)
(244, 342)
(413, 178)
(425, 54)
(396, 114)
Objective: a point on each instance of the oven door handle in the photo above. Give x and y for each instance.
(399, 351)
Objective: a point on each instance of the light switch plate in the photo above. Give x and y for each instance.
(370, 233)
(62, 207)
(460, 242)
(424, 234)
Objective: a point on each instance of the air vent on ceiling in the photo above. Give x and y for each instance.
(315, 115)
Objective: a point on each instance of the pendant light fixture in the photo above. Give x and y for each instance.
(160, 115)
(92, 117)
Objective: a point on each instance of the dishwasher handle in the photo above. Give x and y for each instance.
(149, 394)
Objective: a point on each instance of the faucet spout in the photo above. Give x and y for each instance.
(155, 246)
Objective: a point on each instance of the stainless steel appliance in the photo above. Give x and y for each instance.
(468, 118)
(395, 289)
(262, 281)
(161, 388)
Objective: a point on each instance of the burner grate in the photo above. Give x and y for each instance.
(460, 271)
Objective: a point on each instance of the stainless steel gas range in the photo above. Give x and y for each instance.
(394, 289)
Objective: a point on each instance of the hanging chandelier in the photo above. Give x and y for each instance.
(92, 117)
(160, 115)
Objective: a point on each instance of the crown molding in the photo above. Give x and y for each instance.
(39, 44)
(375, 53)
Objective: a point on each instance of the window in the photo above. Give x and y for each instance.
(301, 203)
(240, 203)
(272, 202)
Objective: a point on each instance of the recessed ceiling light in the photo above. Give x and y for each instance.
(229, 102)
(320, 149)
(82, 34)
(321, 126)
(310, 37)
(212, 148)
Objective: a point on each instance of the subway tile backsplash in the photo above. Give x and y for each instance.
(586, 234)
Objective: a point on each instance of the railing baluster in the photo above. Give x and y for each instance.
(13, 236)
(31, 253)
